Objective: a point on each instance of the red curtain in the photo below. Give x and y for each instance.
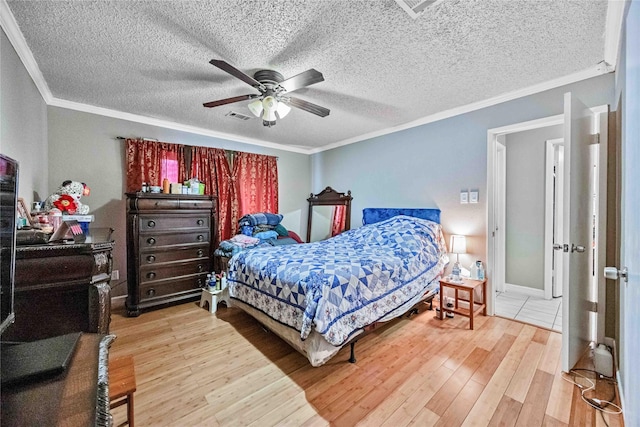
(150, 162)
(338, 220)
(211, 167)
(257, 179)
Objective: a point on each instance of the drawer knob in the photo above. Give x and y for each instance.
(151, 292)
(151, 258)
(151, 241)
(200, 268)
(151, 224)
(200, 237)
(200, 283)
(151, 275)
(200, 252)
(200, 222)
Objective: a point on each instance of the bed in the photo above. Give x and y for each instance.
(324, 295)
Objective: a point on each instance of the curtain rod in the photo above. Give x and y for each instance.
(144, 139)
(153, 139)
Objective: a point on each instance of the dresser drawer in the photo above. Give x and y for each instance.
(156, 257)
(158, 240)
(196, 204)
(150, 223)
(155, 204)
(150, 273)
(150, 291)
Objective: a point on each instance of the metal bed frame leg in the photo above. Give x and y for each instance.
(352, 359)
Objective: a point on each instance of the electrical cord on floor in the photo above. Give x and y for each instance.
(595, 403)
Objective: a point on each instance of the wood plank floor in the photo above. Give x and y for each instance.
(194, 368)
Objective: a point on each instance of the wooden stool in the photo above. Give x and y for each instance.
(122, 384)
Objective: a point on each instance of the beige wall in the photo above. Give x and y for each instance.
(83, 147)
(23, 124)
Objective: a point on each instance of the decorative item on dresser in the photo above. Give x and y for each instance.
(169, 246)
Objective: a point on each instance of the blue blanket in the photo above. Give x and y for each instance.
(340, 285)
(260, 218)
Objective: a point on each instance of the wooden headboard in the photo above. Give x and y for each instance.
(373, 215)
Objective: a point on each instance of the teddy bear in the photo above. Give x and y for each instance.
(67, 198)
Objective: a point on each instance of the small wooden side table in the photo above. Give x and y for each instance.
(467, 285)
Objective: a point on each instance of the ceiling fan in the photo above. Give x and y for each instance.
(273, 101)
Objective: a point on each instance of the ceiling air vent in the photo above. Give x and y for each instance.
(238, 116)
(415, 8)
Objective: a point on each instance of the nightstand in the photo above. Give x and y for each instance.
(469, 286)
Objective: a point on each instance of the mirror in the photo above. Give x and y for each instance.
(329, 214)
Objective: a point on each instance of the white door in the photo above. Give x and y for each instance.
(630, 230)
(577, 221)
(554, 197)
(500, 209)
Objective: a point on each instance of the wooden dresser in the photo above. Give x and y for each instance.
(169, 248)
(62, 288)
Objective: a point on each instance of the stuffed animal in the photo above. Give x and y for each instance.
(67, 198)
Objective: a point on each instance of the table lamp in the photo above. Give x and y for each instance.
(458, 245)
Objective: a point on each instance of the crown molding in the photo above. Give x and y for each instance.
(92, 109)
(613, 31)
(12, 30)
(509, 96)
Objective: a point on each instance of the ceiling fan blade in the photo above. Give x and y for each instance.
(304, 79)
(225, 66)
(307, 106)
(229, 100)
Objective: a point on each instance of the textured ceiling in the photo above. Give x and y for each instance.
(382, 68)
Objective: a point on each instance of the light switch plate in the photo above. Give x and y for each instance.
(464, 197)
(473, 196)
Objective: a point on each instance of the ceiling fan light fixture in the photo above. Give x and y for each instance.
(256, 107)
(282, 110)
(270, 106)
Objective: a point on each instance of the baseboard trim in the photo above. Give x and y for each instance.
(509, 287)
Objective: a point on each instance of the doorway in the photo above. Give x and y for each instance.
(495, 243)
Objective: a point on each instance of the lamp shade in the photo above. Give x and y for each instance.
(458, 244)
(256, 107)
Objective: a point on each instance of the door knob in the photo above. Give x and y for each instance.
(560, 247)
(577, 248)
(613, 273)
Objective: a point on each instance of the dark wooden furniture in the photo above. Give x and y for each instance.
(468, 286)
(169, 246)
(77, 397)
(122, 385)
(329, 197)
(62, 288)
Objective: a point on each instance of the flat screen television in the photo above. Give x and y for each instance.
(8, 201)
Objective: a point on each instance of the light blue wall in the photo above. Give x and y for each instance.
(429, 165)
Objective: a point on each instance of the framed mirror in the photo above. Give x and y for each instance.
(329, 214)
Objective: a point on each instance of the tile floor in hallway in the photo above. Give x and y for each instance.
(529, 309)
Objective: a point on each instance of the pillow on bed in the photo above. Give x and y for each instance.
(294, 236)
(265, 235)
(282, 241)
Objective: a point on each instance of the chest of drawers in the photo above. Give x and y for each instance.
(169, 247)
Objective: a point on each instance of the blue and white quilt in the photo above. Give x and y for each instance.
(340, 285)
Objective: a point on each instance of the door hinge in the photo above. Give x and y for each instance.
(592, 306)
(595, 138)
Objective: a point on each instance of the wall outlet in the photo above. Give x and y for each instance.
(115, 275)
